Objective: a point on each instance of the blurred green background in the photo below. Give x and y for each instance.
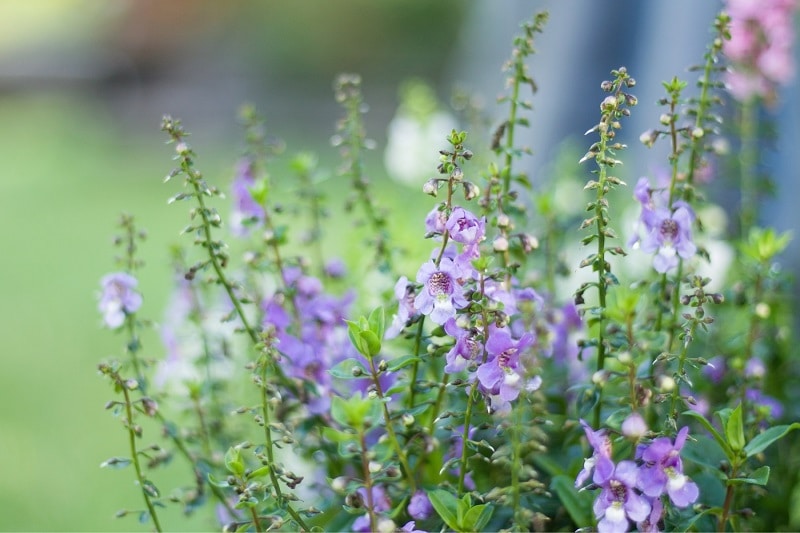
(83, 86)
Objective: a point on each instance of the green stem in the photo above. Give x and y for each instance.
(270, 453)
(601, 276)
(415, 367)
(516, 467)
(748, 159)
(676, 392)
(135, 454)
(387, 418)
(368, 483)
(728, 503)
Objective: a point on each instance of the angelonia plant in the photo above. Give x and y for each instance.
(653, 393)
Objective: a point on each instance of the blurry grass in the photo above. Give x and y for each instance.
(67, 171)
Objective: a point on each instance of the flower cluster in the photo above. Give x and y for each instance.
(661, 228)
(760, 46)
(631, 491)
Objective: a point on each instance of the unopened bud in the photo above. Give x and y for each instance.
(500, 244)
(431, 187)
(503, 221)
(665, 119)
(697, 133)
(471, 190)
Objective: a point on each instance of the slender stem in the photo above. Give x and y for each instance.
(748, 159)
(415, 367)
(269, 448)
(601, 276)
(135, 454)
(673, 411)
(256, 521)
(471, 399)
(368, 483)
(401, 455)
(516, 466)
(728, 503)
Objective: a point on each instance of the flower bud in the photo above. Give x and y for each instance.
(431, 187)
(503, 221)
(698, 133)
(471, 190)
(500, 244)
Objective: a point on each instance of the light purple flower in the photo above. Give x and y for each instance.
(618, 502)
(404, 292)
(600, 462)
(246, 211)
(501, 377)
(119, 298)
(466, 228)
(442, 293)
(466, 349)
(669, 234)
(662, 471)
(380, 503)
(436, 220)
(420, 507)
(634, 426)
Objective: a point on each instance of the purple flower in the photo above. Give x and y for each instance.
(420, 507)
(501, 377)
(435, 220)
(618, 503)
(634, 426)
(404, 292)
(335, 268)
(442, 294)
(600, 462)
(716, 368)
(466, 228)
(668, 233)
(772, 407)
(662, 471)
(466, 349)
(650, 524)
(245, 209)
(380, 503)
(119, 298)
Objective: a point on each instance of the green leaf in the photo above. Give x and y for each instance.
(348, 369)
(259, 472)
(214, 481)
(334, 435)
(734, 430)
(578, 504)
(354, 331)
(446, 506)
(377, 322)
(477, 518)
(234, 462)
(372, 343)
(714, 433)
(401, 362)
(762, 441)
(760, 476)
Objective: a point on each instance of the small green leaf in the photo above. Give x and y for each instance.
(402, 362)
(377, 322)
(348, 369)
(259, 472)
(734, 430)
(762, 441)
(334, 435)
(214, 481)
(372, 343)
(477, 518)
(446, 506)
(760, 476)
(234, 462)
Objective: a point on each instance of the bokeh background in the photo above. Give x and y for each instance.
(83, 86)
